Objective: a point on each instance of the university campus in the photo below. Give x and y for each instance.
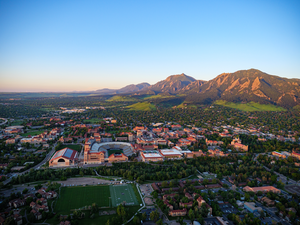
(103, 171)
(149, 112)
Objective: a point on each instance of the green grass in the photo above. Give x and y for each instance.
(16, 123)
(121, 193)
(158, 96)
(185, 105)
(112, 151)
(77, 197)
(32, 133)
(250, 106)
(93, 120)
(121, 99)
(136, 193)
(74, 147)
(297, 108)
(142, 106)
(193, 177)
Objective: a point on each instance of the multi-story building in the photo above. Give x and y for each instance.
(263, 189)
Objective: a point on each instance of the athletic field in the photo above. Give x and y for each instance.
(121, 193)
(77, 197)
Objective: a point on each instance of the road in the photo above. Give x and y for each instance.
(36, 167)
(283, 178)
(5, 121)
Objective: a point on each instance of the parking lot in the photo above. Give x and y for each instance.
(228, 208)
(16, 189)
(146, 190)
(148, 211)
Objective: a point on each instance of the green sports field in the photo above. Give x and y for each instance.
(121, 193)
(77, 197)
(112, 151)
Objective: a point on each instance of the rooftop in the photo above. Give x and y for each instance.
(65, 153)
(167, 152)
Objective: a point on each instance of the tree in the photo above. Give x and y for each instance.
(164, 184)
(121, 212)
(144, 216)
(191, 214)
(25, 191)
(159, 222)
(31, 217)
(95, 208)
(262, 213)
(136, 220)
(154, 215)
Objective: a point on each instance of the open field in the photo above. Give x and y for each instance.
(293, 189)
(142, 106)
(159, 96)
(112, 151)
(121, 99)
(32, 133)
(74, 147)
(16, 122)
(121, 193)
(250, 106)
(184, 105)
(77, 197)
(93, 120)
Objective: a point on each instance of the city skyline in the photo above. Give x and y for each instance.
(84, 46)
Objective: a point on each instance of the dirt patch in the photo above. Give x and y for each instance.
(148, 201)
(293, 189)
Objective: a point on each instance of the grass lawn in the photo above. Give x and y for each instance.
(93, 120)
(74, 147)
(193, 177)
(16, 122)
(32, 133)
(136, 194)
(185, 105)
(142, 106)
(121, 193)
(158, 96)
(77, 197)
(121, 99)
(70, 196)
(250, 106)
(103, 219)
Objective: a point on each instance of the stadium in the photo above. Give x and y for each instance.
(95, 153)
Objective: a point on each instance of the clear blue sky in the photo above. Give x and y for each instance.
(87, 45)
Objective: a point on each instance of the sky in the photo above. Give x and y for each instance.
(72, 45)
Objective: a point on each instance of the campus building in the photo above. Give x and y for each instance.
(117, 158)
(179, 212)
(278, 154)
(96, 153)
(237, 144)
(153, 156)
(170, 153)
(251, 207)
(64, 157)
(262, 189)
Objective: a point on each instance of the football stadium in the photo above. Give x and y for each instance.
(95, 153)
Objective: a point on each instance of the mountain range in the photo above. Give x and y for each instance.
(127, 89)
(241, 86)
